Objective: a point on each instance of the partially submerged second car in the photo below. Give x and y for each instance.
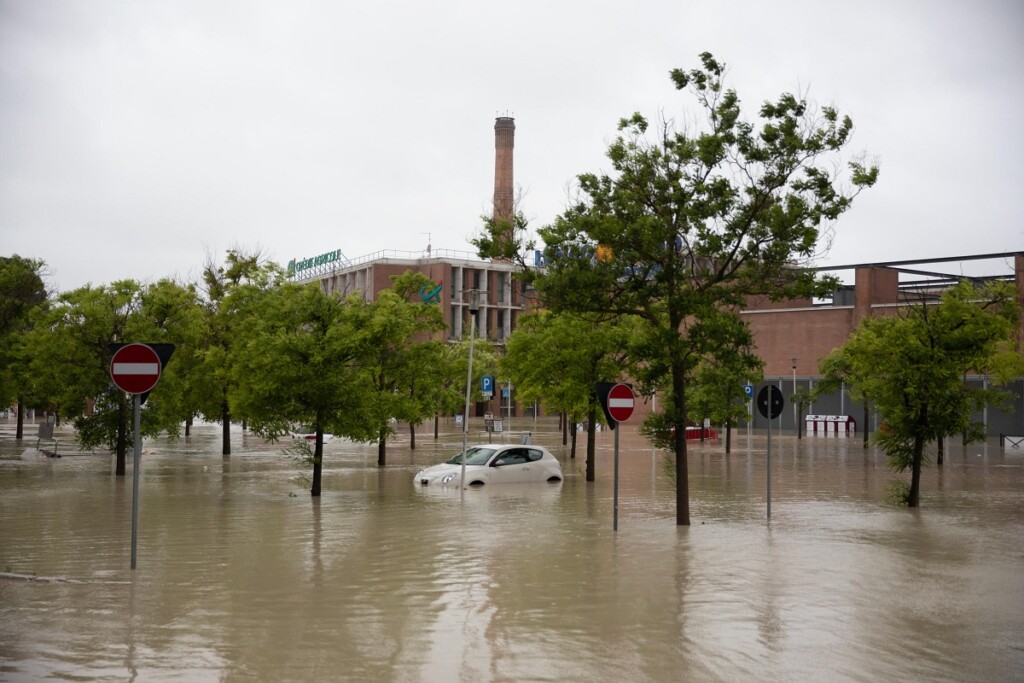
(494, 464)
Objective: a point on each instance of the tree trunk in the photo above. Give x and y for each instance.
(318, 461)
(121, 445)
(867, 415)
(382, 446)
(728, 436)
(591, 443)
(20, 433)
(940, 448)
(188, 426)
(225, 428)
(412, 436)
(437, 424)
(572, 450)
(565, 430)
(914, 498)
(679, 419)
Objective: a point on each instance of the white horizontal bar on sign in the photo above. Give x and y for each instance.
(620, 402)
(136, 368)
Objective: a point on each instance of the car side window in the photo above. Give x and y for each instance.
(513, 456)
(533, 455)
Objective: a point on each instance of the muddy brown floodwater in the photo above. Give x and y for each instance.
(241, 576)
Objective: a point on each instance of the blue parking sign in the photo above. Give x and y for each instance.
(748, 389)
(487, 384)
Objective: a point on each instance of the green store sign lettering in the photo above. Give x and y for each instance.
(299, 265)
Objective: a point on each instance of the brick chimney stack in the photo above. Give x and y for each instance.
(504, 141)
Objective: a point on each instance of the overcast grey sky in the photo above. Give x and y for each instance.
(136, 137)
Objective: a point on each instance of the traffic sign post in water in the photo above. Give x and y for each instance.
(135, 369)
(620, 407)
(769, 404)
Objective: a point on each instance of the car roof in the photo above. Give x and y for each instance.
(505, 446)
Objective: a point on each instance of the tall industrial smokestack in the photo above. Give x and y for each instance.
(504, 141)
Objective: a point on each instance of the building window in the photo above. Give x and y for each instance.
(500, 331)
(500, 286)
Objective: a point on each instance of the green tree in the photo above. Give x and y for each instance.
(802, 398)
(176, 316)
(229, 290)
(395, 331)
(72, 359)
(449, 375)
(717, 384)
(836, 375)
(22, 294)
(913, 364)
(694, 222)
(558, 358)
(298, 359)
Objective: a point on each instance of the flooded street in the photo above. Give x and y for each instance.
(242, 576)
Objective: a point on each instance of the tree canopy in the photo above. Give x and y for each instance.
(692, 221)
(912, 366)
(558, 358)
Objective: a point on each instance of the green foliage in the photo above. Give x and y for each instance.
(558, 358)
(296, 360)
(449, 370)
(397, 354)
(345, 367)
(912, 367)
(176, 316)
(897, 492)
(21, 290)
(231, 292)
(23, 297)
(690, 223)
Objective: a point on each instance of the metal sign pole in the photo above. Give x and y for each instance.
(615, 487)
(136, 459)
(465, 421)
(769, 466)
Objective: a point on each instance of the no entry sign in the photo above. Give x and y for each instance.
(620, 402)
(135, 368)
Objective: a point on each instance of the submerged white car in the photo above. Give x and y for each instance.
(494, 464)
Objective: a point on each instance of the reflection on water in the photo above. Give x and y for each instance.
(242, 576)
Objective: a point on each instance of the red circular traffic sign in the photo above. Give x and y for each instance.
(620, 402)
(135, 368)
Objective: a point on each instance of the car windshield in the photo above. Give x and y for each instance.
(477, 456)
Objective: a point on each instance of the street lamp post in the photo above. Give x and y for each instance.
(474, 306)
(796, 413)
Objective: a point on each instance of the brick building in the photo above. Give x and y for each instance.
(790, 336)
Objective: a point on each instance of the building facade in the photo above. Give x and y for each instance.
(791, 337)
